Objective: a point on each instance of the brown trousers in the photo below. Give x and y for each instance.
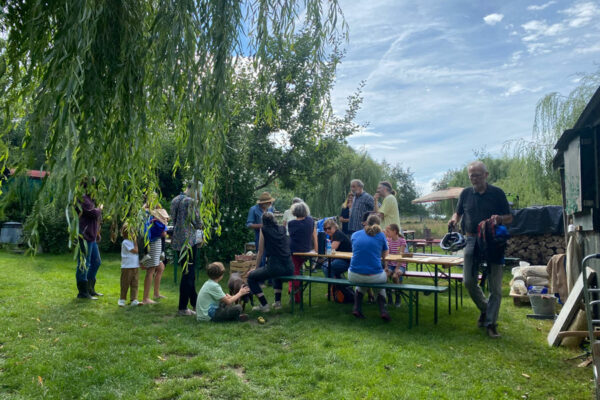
(129, 279)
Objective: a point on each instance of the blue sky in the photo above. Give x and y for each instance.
(445, 78)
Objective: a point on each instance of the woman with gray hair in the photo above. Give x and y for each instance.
(303, 239)
(369, 248)
(287, 214)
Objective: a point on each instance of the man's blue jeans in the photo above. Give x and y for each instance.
(338, 267)
(92, 262)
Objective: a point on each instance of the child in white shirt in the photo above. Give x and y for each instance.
(130, 268)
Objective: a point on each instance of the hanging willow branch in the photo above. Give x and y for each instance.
(99, 81)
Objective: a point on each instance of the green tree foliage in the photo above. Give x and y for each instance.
(403, 182)
(326, 193)
(99, 82)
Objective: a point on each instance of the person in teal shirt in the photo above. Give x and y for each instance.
(213, 304)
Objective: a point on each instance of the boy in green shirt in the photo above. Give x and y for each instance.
(213, 304)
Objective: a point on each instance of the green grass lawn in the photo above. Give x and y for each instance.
(55, 346)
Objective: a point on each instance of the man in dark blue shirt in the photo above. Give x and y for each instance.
(362, 202)
(477, 203)
(254, 220)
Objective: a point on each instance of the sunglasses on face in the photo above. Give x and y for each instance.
(328, 228)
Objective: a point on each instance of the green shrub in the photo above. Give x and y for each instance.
(18, 198)
(54, 235)
(52, 230)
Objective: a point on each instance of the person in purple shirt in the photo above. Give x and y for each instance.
(90, 217)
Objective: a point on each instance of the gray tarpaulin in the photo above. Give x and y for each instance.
(537, 220)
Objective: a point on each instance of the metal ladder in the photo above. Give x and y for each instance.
(591, 297)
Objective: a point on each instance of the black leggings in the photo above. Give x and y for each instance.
(187, 286)
(276, 266)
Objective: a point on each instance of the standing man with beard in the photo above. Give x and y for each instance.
(478, 203)
(363, 202)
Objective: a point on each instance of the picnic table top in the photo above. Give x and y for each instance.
(417, 259)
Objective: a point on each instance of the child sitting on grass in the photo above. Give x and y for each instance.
(396, 245)
(130, 268)
(213, 304)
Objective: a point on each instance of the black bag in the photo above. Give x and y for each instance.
(321, 242)
(342, 294)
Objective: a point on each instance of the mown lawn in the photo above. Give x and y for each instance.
(55, 346)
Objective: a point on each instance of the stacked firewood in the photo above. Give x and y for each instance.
(537, 249)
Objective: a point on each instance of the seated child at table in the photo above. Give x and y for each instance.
(397, 245)
(213, 304)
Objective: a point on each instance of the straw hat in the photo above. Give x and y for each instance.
(265, 197)
(160, 214)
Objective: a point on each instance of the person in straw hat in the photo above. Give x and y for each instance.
(254, 221)
(155, 230)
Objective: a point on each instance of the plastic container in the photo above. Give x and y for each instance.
(12, 232)
(537, 290)
(542, 304)
(328, 246)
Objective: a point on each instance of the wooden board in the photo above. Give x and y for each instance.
(569, 310)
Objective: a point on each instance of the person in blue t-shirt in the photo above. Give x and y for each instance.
(369, 248)
(254, 220)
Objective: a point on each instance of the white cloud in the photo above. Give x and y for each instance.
(513, 89)
(536, 29)
(534, 7)
(588, 50)
(374, 146)
(582, 13)
(493, 19)
(365, 132)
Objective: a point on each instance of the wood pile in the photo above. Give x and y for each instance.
(536, 250)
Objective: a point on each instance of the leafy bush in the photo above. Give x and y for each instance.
(52, 229)
(54, 235)
(18, 198)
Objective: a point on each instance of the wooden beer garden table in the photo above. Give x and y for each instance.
(443, 261)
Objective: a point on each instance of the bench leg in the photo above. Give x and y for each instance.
(456, 293)
(450, 291)
(435, 297)
(292, 297)
(410, 309)
(328, 276)
(417, 308)
(301, 297)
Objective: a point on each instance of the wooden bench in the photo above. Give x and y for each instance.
(406, 289)
(457, 278)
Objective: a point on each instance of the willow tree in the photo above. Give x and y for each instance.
(531, 174)
(99, 80)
